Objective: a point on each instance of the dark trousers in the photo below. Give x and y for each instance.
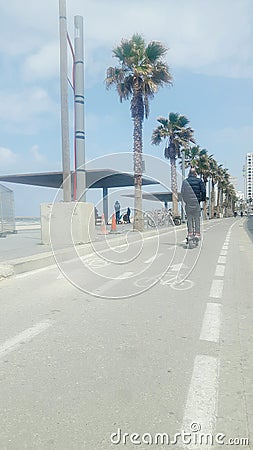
(193, 219)
(117, 216)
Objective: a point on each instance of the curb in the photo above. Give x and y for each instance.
(46, 259)
(6, 270)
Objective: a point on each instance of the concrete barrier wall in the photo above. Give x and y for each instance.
(67, 223)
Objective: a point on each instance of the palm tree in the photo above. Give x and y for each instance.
(230, 198)
(140, 73)
(225, 184)
(192, 155)
(222, 176)
(178, 136)
(213, 172)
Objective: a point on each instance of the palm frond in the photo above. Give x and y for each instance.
(155, 50)
(173, 117)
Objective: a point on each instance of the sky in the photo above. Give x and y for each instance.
(210, 55)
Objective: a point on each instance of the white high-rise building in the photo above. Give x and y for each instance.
(248, 173)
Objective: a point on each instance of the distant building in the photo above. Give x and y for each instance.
(248, 176)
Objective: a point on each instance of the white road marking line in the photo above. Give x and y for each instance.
(34, 272)
(225, 247)
(211, 324)
(23, 337)
(153, 258)
(112, 282)
(223, 252)
(222, 260)
(177, 267)
(201, 404)
(220, 270)
(119, 247)
(216, 289)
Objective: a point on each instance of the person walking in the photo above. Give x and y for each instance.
(193, 193)
(128, 214)
(117, 211)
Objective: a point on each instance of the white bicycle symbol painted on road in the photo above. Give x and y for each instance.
(174, 281)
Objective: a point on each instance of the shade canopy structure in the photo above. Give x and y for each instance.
(97, 178)
(165, 197)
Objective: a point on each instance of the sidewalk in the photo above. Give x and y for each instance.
(27, 241)
(249, 227)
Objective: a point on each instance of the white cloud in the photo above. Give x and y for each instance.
(44, 64)
(27, 161)
(25, 109)
(38, 157)
(208, 36)
(7, 158)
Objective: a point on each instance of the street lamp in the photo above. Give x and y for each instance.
(64, 102)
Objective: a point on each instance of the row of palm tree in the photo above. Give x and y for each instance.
(209, 169)
(179, 136)
(140, 72)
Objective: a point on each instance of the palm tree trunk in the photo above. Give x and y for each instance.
(218, 201)
(174, 186)
(138, 214)
(212, 201)
(205, 206)
(205, 210)
(221, 203)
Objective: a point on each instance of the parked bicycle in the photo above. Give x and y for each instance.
(160, 218)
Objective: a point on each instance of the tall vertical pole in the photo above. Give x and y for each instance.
(64, 102)
(183, 177)
(105, 203)
(79, 111)
(209, 194)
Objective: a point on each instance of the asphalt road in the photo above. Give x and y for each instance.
(145, 337)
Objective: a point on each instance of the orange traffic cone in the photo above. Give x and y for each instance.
(113, 225)
(103, 229)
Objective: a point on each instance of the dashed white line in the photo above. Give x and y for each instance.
(23, 337)
(216, 289)
(223, 252)
(202, 396)
(211, 324)
(220, 270)
(222, 260)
